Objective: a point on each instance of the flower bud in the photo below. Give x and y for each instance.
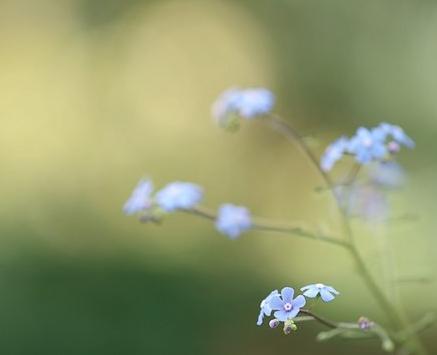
(393, 147)
(364, 323)
(289, 326)
(274, 323)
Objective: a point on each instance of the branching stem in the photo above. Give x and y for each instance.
(396, 320)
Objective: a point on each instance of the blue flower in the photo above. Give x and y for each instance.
(285, 306)
(233, 220)
(248, 103)
(179, 195)
(255, 102)
(265, 309)
(140, 198)
(367, 145)
(397, 134)
(327, 293)
(333, 153)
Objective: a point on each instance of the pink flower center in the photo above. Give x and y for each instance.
(288, 306)
(367, 142)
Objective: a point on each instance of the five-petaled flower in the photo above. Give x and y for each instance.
(246, 103)
(179, 195)
(327, 293)
(265, 309)
(233, 220)
(140, 198)
(285, 306)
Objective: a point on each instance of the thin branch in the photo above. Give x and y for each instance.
(270, 227)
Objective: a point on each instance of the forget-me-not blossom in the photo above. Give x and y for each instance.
(285, 306)
(246, 103)
(397, 134)
(233, 220)
(333, 153)
(327, 293)
(265, 309)
(367, 145)
(179, 195)
(140, 198)
(255, 102)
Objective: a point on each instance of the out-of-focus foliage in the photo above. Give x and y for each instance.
(96, 94)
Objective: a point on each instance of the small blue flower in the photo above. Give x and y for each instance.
(255, 102)
(333, 153)
(233, 220)
(367, 145)
(179, 195)
(140, 198)
(327, 293)
(397, 134)
(285, 306)
(248, 103)
(265, 309)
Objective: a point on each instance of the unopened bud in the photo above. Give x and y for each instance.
(364, 323)
(289, 326)
(274, 323)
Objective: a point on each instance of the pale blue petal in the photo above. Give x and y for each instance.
(332, 290)
(287, 294)
(307, 287)
(311, 292)
(299, 302)
(293, 313)
(260, 317)
(281, 315)
(326, 295)
(276, 303)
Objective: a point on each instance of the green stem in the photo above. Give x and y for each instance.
(206, 213)
(396, 320)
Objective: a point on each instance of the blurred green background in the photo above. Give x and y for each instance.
(98, 93)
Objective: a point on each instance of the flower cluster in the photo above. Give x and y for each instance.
(245, 103)
(287, 307)
(367, 145)
(231, 220)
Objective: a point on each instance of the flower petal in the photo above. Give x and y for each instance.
(299, 302)
(276, 303)
(326, 296)
(287, 294)
(260, 317)
(332, 290)
(312, 292)
(307, 287)
(281, 315)
(293, 313)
